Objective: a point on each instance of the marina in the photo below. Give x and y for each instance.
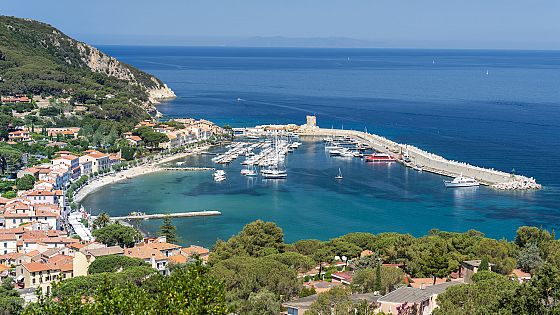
(352, 143)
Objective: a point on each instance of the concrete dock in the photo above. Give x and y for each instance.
(430, 162)
(188, 169)
(171, 215)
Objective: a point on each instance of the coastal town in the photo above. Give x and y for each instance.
(44, 236)
(47, 237)
(300, 219)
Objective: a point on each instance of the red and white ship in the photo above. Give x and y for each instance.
(380, 157)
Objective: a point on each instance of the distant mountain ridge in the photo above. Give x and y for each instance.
(36, 58)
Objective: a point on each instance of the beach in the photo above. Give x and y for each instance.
(132, 172)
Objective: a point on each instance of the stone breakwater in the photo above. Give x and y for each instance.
(432, 162)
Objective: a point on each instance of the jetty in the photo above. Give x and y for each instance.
(143, 216)
(188, 169)
(408, 155)
(420, 159)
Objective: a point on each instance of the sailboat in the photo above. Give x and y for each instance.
(249, 171)
(339, 176)
(487, 72)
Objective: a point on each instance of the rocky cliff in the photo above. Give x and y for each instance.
(36, 58)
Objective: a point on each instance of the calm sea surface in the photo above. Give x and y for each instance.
(440, 100)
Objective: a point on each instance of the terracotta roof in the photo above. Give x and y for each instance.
(97, 155)
(98, 252)
(162, 246)
(144, 252)
(193, 249)
(37, 266)
(520, 273)
(177, 259)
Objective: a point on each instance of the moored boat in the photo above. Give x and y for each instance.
(461, 181)
(380, 157)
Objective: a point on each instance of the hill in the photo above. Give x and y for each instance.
(38, 59)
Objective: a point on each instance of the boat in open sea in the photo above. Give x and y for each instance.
(461, 181)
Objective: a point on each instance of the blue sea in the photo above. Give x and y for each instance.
(497, 109)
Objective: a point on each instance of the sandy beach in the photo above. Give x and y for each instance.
(132, 172)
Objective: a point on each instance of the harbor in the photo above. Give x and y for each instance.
(408, 155)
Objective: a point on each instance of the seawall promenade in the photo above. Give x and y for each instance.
(430, 162)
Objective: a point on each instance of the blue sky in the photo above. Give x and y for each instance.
(521, 24)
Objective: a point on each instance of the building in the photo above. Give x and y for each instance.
(134, 140)
(516, 274)
(37, 274)
(300, 306)
(408, 300)
(470, 267)
(72, 162)
(344, 277)
(87, 254)
(64, 131)
(152, 256)
(16, 99)
(99, 161)
(311, 121)
(19, 211)
(19, 136)
(85, 166)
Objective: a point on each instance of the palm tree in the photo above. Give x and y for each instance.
(101, 221)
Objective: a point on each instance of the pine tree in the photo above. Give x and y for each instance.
(484, 265)
(377, 284)
(169, 230)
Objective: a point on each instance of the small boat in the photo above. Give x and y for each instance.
(219, 175)
(335, 152)
(274, 174)
(380, 157)
(461, 181)
(249, 171)
(339, 176)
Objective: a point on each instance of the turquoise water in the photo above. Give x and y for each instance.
(441, 101)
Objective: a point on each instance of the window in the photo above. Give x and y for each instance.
(5, 245)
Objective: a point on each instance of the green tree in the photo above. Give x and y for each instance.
(257, 239)
(263, 302)
(245, 275)
(377, 284)
(337, 301)
(293, 260)
(307, 247)
(26, 182)
(529, 234)
(114, 263)
(366, 280)
(101, 221)
(117, 234)
(10, 302)
(529, 258)
(10, 158)
(484, 264)
(168, 230)
(322, 255)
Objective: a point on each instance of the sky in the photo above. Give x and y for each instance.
(490, 24)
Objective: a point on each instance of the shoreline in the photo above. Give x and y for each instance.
(132, 172)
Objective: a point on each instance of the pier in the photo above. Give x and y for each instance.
(143, 216)
(188, 169)
(428, 161)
